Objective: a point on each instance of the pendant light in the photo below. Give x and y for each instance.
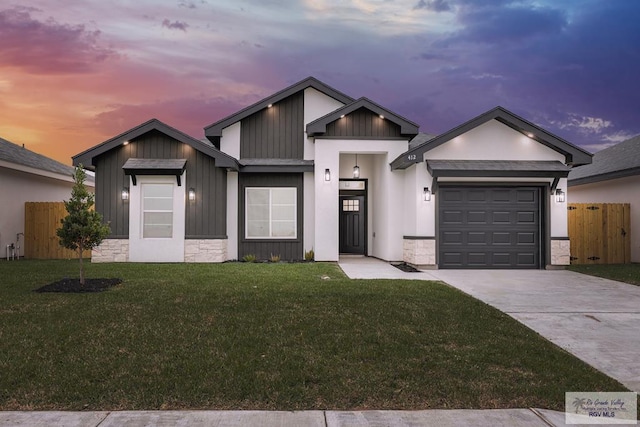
(356, 169)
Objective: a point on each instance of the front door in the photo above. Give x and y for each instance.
(352, 225)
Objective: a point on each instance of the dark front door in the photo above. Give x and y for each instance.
(489, 227)
(352, 225)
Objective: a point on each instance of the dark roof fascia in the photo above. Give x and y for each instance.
(574, 155)
(276, 168)
(87, 157)
(604, 177)
(215, 129)
(528, 170)
(319, 126)
(252, 165)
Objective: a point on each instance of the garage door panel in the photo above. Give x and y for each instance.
(452, 238)
(526, 196)
(489, 227)
(477, 238)
(526, 238)
(452, 217)
(477, 217)
(526, 217)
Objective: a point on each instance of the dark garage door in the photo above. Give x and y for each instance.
(489, 227)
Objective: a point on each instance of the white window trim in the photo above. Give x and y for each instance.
(295, 216)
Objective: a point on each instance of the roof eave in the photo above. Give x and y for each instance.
(574, 155)
(215, 129)
(319, 126)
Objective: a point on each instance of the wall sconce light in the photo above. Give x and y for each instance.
(426, 194)
(327, 175)
(356, 169)
(192, 194)
(560, 196)
(125, 193)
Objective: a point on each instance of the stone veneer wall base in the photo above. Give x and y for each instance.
(560, 252)
(111, 250)
(419, 252)
(205, 250)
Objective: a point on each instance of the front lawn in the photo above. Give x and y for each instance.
(629, 273)
(267, 336)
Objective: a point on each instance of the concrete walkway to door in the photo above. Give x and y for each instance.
(597, 320)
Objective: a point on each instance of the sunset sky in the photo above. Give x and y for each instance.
(74, 73)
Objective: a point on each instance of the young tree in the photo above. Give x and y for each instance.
(82, 228)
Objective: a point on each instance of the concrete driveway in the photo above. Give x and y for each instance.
(595, 319)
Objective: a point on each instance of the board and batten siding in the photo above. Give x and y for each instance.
(276, 132)
(363, 123)
(287, 249)
(205, 216)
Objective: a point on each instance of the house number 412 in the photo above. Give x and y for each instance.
(411, 157)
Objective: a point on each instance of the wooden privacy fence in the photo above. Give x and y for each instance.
(41, 220)
(599, 233)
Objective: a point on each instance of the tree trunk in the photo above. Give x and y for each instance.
(81, 265)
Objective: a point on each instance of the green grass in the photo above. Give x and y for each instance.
(267, 336)
(629, 273)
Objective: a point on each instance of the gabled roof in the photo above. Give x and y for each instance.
(215, 129)
(574, 155)
(86, 157)
(319, 126)
(26, 160)
(618, 161)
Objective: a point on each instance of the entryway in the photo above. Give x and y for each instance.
(353, 217)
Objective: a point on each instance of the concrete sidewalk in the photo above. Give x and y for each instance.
(596, 320)
(443, 418)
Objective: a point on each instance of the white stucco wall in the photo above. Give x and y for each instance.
(232, 215)
(316, 105)
(230, 141)
(309, 193)
(384, 195)
(493, 141)
(18, 187)
(621, 190)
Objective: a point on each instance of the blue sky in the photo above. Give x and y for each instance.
(74, 73)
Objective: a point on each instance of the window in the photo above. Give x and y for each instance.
(157, 210)
(270, 213)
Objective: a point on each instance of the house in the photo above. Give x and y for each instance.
(309, 167)
(28, 177)
(613, 177)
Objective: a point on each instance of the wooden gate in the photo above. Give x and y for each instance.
(41, 220)
(599, 233)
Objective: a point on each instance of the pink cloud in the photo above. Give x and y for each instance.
(48, 47)
(186, 114)
(175, 25)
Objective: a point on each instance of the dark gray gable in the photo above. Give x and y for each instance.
(618, 161)
(574, 155)
(86, 158)
(319, 126)
(214, 130)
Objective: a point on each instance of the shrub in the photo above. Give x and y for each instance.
(249, 258)
(309, 255)
(274, 258)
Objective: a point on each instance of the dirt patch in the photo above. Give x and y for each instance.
(74, 286)
(406, 268)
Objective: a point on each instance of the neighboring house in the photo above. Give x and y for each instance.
(26, 176)
(613, 177)
(312, 168)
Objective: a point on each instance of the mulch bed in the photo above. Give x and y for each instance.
(406, 268)
(73, 285)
